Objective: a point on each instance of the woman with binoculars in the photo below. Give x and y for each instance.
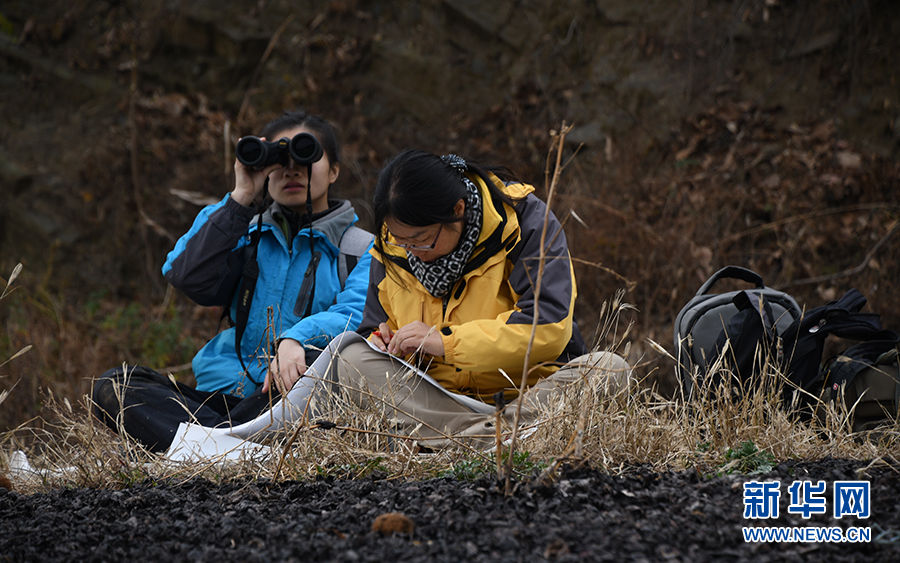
(302, 257)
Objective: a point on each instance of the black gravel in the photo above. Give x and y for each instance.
(586, 515)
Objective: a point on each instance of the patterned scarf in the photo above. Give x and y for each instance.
(439, 276)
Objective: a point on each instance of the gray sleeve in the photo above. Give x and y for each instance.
(556, 284)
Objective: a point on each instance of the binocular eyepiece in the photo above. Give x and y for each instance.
(304, 148)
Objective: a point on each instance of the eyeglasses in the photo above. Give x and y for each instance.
(418, 246)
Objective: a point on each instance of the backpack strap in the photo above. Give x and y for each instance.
(804, 339)
(246, 290)
(752, 327)
(871, 383)
(732, 272)
(354, 244)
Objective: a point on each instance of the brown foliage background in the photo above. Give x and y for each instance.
(766, 135)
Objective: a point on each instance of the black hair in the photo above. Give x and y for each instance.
(323, 130)
(418, 188)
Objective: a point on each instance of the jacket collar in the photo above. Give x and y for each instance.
(332, 225)
(494, 218)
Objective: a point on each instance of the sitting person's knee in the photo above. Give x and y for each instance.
(611, 372)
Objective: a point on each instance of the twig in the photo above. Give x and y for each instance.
(803, 217)
(146, 220)
(500, 402)
(262, 61)
(269, 343)
(226, 147)
(629, 284)
(287, 447)
(560, 140)
(848, 272)
(135, 175)
(551, 469)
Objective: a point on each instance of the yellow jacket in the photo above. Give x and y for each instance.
(487, 322)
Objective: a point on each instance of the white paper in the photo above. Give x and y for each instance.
(291, 407)
(472, 404)
(193, 441)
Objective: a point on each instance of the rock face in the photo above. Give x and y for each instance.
(394, 74)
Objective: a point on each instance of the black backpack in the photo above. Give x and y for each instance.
(749, 320)
(741, 330)
(870, 364)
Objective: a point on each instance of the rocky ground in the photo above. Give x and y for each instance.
(586, 515)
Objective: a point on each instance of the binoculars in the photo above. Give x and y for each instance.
(304, 148)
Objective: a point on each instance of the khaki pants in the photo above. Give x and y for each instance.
(417, 408)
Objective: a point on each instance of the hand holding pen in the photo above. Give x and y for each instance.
(415, 336)
(382, 337)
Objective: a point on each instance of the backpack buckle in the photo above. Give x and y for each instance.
(818, 326)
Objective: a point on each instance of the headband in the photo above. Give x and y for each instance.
(455, 161)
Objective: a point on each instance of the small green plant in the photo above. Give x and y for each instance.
(747, 459)
(7, 27)
(130, 476)
(469, 469)
(474, 468)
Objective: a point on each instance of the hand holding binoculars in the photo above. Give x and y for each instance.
(257, 153)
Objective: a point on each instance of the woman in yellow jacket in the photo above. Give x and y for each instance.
(451, 290)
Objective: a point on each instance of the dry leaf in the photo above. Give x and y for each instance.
(848, 159)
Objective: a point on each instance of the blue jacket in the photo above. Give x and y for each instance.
(207, 264)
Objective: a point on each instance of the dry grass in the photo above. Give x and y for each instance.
(583, 426)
